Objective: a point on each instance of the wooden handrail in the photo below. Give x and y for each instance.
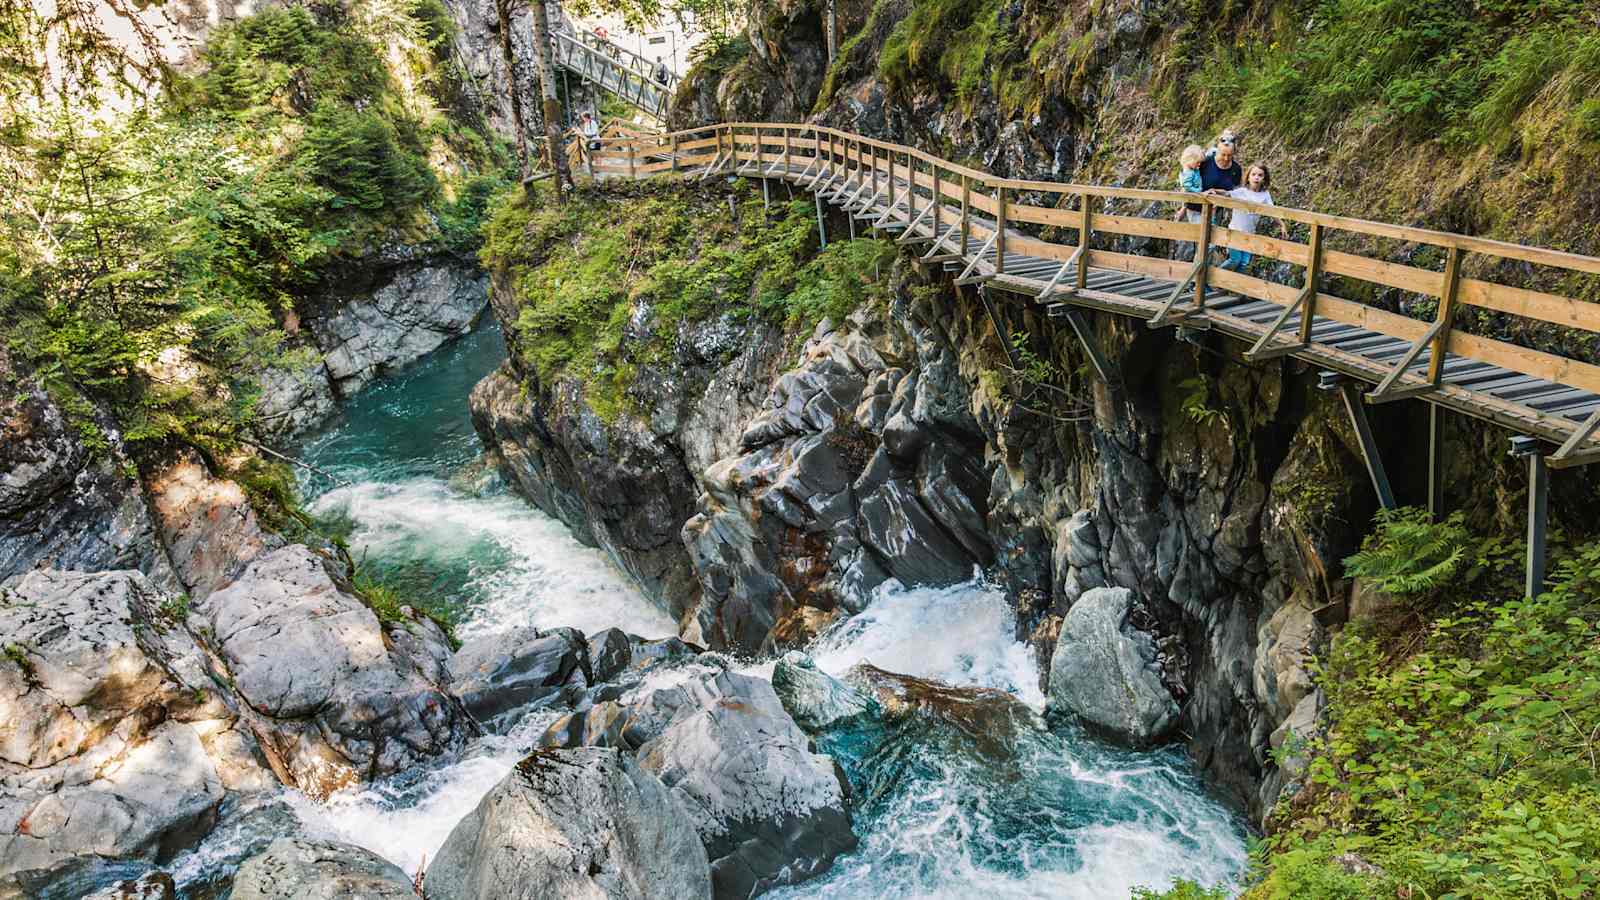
(975, 192)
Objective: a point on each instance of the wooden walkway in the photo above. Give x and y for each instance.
(615, 69)
(976, 223)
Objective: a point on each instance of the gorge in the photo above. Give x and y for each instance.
(385, 527)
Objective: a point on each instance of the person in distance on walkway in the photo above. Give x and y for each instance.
(590, 129)
(661, 72)
(1256, 182)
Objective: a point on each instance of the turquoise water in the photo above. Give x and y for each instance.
(423, 516)
(1049, 813)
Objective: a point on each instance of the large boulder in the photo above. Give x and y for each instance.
(582, 823)
(1104, 671)
(769, 810)
(207, 525)
(344, 696)
(496, 675)
(299, 869)
(818, 701)
(116, 745)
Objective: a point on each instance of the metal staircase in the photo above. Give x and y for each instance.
(615, 69)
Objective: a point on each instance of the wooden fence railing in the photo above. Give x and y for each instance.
(965, 206)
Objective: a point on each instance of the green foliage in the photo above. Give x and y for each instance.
(392, 608)
(1409, 553)
(842, 277)
(175, 608)
(1466, 765)
(960, 43)
(1195, 401)
(19, 657)
(1032, 368)
(148, 257)
(606, 281)
(1462, 72)
(1183, 889)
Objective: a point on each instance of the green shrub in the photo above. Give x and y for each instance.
(1462, 762)
(1409, 553)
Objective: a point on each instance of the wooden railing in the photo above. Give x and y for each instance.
(920, 190)
(614, 68)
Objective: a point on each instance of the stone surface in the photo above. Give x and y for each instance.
(150, 886)
(816, 700)
(207, 525)
(496, 675)
(109, 722)
(413, 314)
(299, 869)
(769, 810)
(62, 506)
(1105, 673)
(582, 823)
(311, 658)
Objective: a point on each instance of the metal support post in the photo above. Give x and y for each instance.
(1357, 410)
(822, 222)
(1538, 511)
(1435, 461)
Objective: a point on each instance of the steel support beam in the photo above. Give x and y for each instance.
(1357, 410)
(1435, 461)
(1538, 511)
(822, 222)
(994, 320)
(1084, 329)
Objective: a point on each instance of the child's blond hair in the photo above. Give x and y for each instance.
(1192, 155)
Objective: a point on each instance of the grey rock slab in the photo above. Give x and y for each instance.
(313, 658)
(498, 674)
(1105, 672)
(300, 869)
(585, 824)
(769, 811)
(815, 699)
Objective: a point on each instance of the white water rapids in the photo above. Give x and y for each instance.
(1075, 818)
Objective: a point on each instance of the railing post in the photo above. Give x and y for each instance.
(890, 155)
(632, 151)
(1202, 256)
(874, 175)
(759, 160)
(674, 151)
(1447, 310)
(786, 149)
(1313, 272)
(1080, 278)
(1000, 230)
(938, 203)
(966, 212)
(911, 190)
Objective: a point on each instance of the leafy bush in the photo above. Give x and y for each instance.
(1466, 768)
(1409, 553)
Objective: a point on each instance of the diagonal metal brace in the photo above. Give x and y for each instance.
(911, 230)
(1085, 332)
(1061, 273)
(1386, 391)
(1163, 316)
(971, 266)
(1569, 454)
(1261, 351)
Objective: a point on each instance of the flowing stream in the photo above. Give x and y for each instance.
(1063, 816)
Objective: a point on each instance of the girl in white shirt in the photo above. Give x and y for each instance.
(1256, 181)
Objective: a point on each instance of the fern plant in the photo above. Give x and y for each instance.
(1409, 553)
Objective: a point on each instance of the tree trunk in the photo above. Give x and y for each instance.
(502, 9)
(552, 100)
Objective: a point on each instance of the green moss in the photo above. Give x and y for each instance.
(390, 605)
(19, 657)
(605, 283)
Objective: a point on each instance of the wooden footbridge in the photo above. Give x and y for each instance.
(614, 68)
(976, 224)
